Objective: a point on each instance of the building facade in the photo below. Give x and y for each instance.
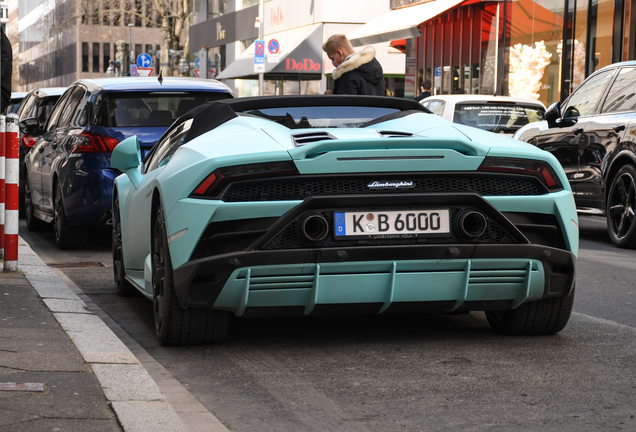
(294, 31)
(538, 49)
(60, 41)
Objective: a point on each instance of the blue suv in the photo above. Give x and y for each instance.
(69, 179)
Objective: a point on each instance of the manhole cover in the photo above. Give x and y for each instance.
(78, 264)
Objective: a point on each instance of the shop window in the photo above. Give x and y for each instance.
(536, 34)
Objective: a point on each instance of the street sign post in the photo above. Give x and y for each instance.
(259, 56)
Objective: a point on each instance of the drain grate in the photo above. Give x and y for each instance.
(78, 264)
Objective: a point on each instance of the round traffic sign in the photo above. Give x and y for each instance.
(144, 60)
(260, 49)
(273, 46)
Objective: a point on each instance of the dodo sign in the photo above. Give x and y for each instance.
(302, 65)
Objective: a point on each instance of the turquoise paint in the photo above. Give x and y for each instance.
(196, 214)
(406, 161)
(375, 282)
(561, 204)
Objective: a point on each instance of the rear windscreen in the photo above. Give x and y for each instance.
(150, 109)
(500, 118)
(323, 116)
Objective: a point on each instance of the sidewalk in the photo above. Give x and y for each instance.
(62, 368)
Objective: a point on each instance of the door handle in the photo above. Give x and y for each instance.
(577, 131)
(618, 128)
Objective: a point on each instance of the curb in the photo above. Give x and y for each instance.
(135, 397)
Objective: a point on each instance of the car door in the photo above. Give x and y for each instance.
(35, 156)
(603, 137)
(53, 152)
(564, 139)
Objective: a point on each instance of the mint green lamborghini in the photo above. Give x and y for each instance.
(308, 205)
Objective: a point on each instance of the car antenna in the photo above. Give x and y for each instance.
(160, 79)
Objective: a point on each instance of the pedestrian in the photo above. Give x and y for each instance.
(357, 73)
(6, 62)
(425, 89)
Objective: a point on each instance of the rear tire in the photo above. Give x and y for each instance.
(66, 236)
(621, 208)
(32, 222)
(175, 325)
(123, 287)
(543, 317)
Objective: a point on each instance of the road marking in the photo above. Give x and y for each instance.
(603, 321)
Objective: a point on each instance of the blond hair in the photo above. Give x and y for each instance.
(337, 42)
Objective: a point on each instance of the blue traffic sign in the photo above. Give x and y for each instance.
(144, 60)
(259, 52)
(196, 63)
(273, 46)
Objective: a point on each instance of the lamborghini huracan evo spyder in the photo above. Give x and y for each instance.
(338, 204)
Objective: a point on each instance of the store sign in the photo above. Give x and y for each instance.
(302, 65)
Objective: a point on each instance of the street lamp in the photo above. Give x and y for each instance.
(132, 54)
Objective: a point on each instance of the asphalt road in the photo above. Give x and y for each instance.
(429, 373)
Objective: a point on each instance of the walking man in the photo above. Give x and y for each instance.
(355, 73)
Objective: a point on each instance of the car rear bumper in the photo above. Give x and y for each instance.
(436, 278)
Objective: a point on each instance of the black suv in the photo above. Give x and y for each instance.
(593, 134)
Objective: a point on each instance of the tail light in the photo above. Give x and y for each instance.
(215, 182)
(28, 141)
(539, 169)
(90, 142)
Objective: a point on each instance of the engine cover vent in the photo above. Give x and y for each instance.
(394, 134)
(310, 137)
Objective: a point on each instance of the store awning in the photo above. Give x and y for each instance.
(399, 23)
(300, 52)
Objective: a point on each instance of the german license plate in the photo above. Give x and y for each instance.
(392, 224)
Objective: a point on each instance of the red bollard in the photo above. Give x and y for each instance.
(2, 152)
(12, 194)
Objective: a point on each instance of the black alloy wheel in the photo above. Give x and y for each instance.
(66, 236)
(621, 205)
(32, 222)
(175, 325)
(123, 287)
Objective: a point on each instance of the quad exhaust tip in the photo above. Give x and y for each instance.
(313, 228)
(471, 224)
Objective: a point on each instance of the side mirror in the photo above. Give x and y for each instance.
(552, 114)
(30, 126)
(126, 158)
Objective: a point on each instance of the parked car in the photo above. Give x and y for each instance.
(593, 134)
(303, 205)
(499, 114)
(69, 178)
(38, 104)
(14, 104)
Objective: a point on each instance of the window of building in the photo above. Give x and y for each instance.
(149, 14)
(138, 13)
(137, 50)
(106, 13)
(245, 44)
(242, 4)
(95, 14)
(106, 54)
(84, 56)
(96, 57)
(216, 8)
